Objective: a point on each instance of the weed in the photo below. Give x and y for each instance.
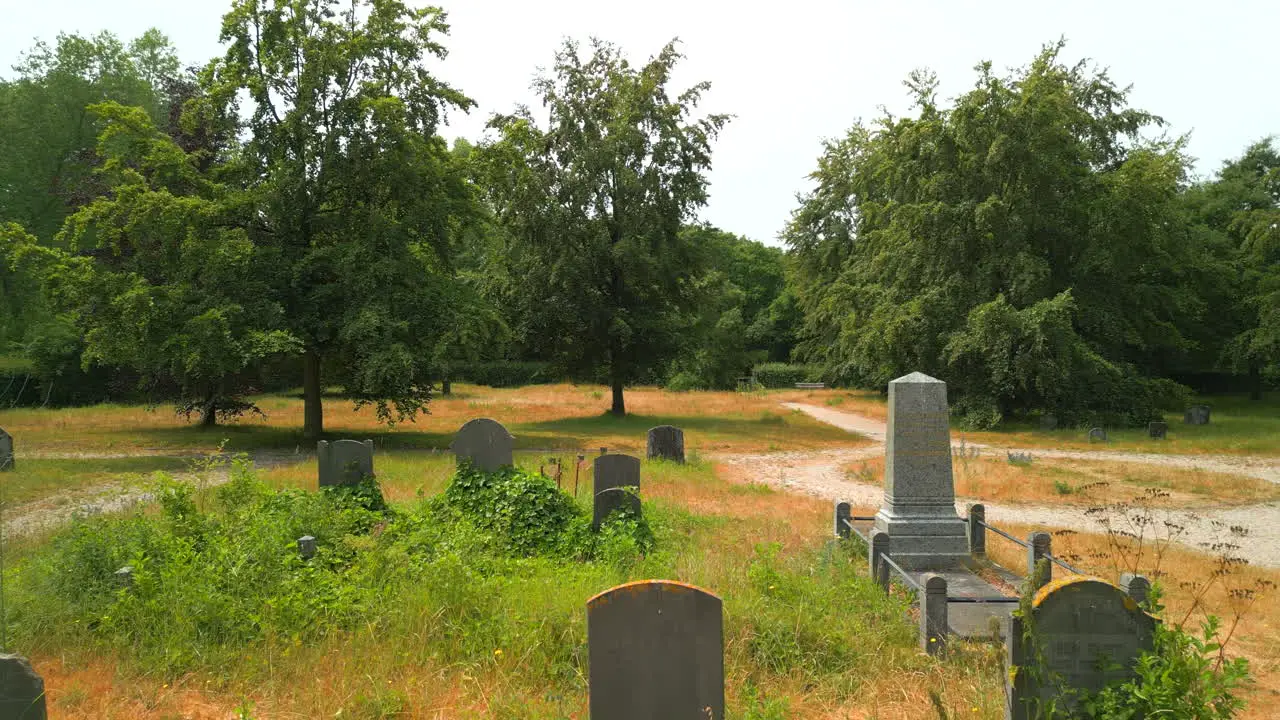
(1063, 488)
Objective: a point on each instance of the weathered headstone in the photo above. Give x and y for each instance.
(656, 650)
(1087, 634)
(1157, 430)
(485, 443)
(1196, 415)
(919, 510)
(344, 462)
(21, 690)
(1097, 435)
(1048, 422)
(666, 442)
(617, 486)
(6, 451)
(307, 547)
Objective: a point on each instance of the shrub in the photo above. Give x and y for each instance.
(783, 375)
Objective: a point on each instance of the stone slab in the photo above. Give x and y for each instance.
(21, 690)
(974, 621)
(616, 486)
(485, 443)
(6, 451)
(665, 442)
(344, 462)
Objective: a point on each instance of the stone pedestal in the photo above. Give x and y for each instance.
(919, 512)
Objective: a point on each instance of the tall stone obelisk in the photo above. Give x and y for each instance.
(919, 509)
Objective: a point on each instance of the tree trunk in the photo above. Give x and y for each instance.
(619, 406)
(209, 415)
(1255, 382)
(313, 410)
(446, 387)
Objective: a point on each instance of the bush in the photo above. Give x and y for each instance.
(509, 373)
(783, 375)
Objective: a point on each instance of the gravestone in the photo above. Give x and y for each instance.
(1097, 435)
(6, 451)
(1088, 633)
(617, 485)
(1157, 430)
(656, 650)
(1048, 422)
(1020, 458)
(21, 690)
(344, 462)
(666, 442)
(484, 442)
(1196, 415)
(919, 510)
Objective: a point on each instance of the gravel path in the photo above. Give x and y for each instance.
(822, 474)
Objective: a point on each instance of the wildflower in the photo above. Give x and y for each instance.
(497, 653)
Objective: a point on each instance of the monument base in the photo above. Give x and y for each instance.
(926, 542)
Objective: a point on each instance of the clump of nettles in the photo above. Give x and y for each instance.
(214, 570)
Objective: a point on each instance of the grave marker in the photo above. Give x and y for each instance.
(1097, 435)
(344, 462)
(617, 485)
(666, 442)
(1196, 415)
(919, 511)
(656, 650)
(485, 443)
(1088, 634)
(21, 690)
(6, 451)
(1157, 430)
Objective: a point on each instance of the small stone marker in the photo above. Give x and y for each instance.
(1048, 422)
(919, 508)
(666, 442)
(307, 547)
(1090, 633)
(21, 690)
(6, 451)
(1196, 415)
(485, 443)
(1157, 430)
(124, 576)
(344, 462)
(617, 485)
(656, 650)
(1097, 435)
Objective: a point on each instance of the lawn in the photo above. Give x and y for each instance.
(36, 478)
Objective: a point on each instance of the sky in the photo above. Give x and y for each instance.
(795, 73)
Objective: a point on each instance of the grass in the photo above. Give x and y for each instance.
(34, 479)
(1083, 482)
(547, 417)
(806, 633)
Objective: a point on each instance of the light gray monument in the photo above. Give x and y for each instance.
(666, 442)
(344, 462)
(656, 650)
(919, 510)
(485, 443)
(6, 451)
(1089, 634)
(21, 690)
(616, 485)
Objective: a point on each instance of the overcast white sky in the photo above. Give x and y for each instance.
(797, 72)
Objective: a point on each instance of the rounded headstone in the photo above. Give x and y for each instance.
(666, 442)
(485, 443)
(21, 690)
(1097, 435)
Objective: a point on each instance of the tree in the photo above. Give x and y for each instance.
(355, 196)
(597, 201)
(1025, 241)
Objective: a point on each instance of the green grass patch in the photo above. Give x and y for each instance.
(37, 478)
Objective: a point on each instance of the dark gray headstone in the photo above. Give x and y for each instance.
(656, 650)
(1196, 415)
(919, 508)
(617, 485)
(21, 690)
(666, 442)
(1048, 422)
(1089, 633)
(1157, 430)
(486, 443)
(344, 462)
(1097, 435)
(6, 451)
(307, 547)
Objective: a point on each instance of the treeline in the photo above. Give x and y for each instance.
(287, 214)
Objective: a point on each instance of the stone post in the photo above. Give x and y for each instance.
(877, 549)
(1015, 683)
(307, 547)
(842, 514)
(1041, 545)
(6, 451)
(933, 615)
(977, 531)
(124, 576)
(1136, 587)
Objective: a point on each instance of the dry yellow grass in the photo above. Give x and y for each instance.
(1084, 482)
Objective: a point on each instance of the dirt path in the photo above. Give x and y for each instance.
(822, 474)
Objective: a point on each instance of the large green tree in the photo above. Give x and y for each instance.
(1027, 244)
(596, 202)
(355, 196)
